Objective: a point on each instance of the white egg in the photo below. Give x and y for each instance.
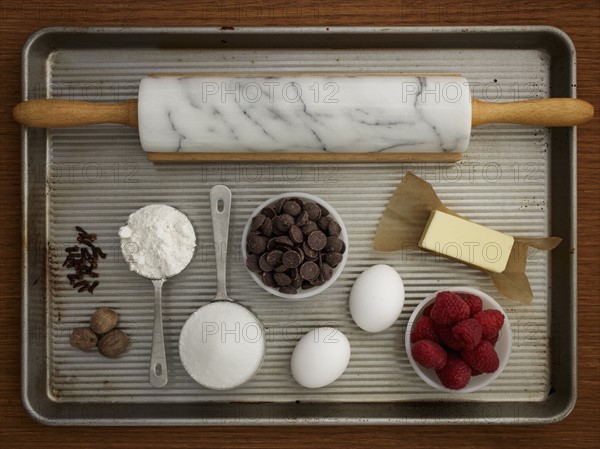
(377, 298)
(320, 357)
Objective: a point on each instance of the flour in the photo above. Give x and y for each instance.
(158, 241)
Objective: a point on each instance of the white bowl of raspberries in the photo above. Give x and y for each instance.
(458, 340)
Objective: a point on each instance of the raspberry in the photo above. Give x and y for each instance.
(494, 339)
(483, 358)
(427, 310)
(468, 333)
(424, 330)
(473, 301)
(447, 337)
(491, 322)
(449, 309)
(429, 354)
(456, 374)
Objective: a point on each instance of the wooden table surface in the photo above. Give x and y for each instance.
(580, 19)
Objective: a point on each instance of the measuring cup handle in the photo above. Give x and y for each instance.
(158, 359)
(220, 207)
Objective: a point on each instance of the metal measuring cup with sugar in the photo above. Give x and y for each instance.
(222, 343)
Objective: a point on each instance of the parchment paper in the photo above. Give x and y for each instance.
(406, 215)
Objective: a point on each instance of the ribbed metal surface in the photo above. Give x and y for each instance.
(99, 175)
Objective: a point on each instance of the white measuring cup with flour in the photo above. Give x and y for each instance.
(222, 343)
(158, 242)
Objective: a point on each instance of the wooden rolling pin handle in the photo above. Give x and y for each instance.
(544, 112)
(52, 113)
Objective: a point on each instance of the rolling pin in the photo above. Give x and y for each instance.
(304, 117)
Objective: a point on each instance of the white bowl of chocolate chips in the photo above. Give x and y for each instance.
(295, 245)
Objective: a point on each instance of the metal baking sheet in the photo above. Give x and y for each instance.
(518, 180)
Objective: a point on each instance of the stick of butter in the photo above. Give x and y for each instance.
(466, 241)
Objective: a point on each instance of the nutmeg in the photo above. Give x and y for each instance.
(113, 343)
(83, 338)
(103, 320)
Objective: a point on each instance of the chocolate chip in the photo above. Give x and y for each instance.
(323, 223)
(313, 210)
(257, 244)
(282, 279)
(272, 244)
(267, 227)
(317, 240)
(281, 269)
(334, 244)
(326, 271)
(291, 259)
(252, 263)
(277, 206)
(281, 240)
(288, 290)
(324, 212)
(264, 264)
(309, 227)
(309, 270)
(288, 220)
(334, 228)
(319, 280)
(297, 281)
(257, 222)
(283, 222)
(333, 259)
(306, 285)
(268, 212)
(296, 234)
(274, 257)
(291, 208)
(302, 219)
(309, 253)
(268, 280)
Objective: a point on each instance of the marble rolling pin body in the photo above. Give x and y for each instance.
(340, 115)
(304, 114)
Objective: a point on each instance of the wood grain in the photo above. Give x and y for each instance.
(53, 113)
(304, 157)
(581, 20)
(544, 112)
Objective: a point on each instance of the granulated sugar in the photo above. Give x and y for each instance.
(222, 345)
(158, 241)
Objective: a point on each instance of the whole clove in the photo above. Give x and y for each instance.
(93, 286)
(85, 241)
(83, 261)
(85, 254)
(73, 277)
(81, 284)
